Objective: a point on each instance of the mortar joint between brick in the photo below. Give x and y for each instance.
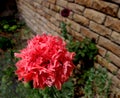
(83, 11)
(118, 10)
(111, 33)
(97, 38)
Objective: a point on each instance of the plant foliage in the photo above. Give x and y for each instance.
(10, 24)
(93, 83)
(5, 43)
(11, 88)
(97, 83)
(85, 50)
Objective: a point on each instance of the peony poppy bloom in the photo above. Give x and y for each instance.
(65, 12)
(45, 61)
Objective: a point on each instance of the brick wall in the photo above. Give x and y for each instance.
(96, 19)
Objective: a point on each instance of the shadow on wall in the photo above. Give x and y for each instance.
(7, 8)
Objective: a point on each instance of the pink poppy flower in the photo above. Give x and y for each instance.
(45, 61)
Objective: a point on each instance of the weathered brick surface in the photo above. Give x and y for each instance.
(36, 5)
(78, 36)
(62, 3)
(74, 33)
(113, 23)
(38, 1)
(115, 37)
(113, 58)
(75, 26)
(59, 17)
(102, 51)
(54, 21)
(100, 29)
(109, 45)
(40, 12)
(119, 13)
(81, 19)
(71, 0)
(52, 1)
(116, 1)
(108, 65)
(52, 26)
(118, 74)
(86, 32)
(76, 8)
(106, 7)
(94, 15)
(116, 81)
(46, 4)
(54, 7)
(87, 3)
(49, 12)
(115, 92)
(28, 5)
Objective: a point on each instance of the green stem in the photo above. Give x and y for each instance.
(54, 92)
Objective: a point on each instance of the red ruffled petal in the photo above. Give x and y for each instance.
(45, 61)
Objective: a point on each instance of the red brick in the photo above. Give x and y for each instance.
(113, 23)
(94, 15)
(109, 45)
(100, 29)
